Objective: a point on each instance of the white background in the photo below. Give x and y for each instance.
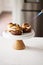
(32, 55)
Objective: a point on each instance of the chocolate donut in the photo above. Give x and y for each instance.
(15, 29)
(26, 27)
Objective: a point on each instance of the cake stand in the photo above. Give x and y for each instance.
(19, 44)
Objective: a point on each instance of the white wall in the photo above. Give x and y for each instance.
(17, 14)
(0, 6)
(15, 6)
(7, 5)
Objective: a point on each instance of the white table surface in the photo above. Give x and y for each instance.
(32, 55)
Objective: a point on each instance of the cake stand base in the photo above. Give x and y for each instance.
(19, 45)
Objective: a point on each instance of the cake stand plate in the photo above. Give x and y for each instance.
(19, 44)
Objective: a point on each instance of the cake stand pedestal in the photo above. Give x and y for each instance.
(18, 44)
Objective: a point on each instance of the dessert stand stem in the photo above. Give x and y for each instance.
(19, 45)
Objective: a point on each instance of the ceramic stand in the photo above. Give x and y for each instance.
(18, 44)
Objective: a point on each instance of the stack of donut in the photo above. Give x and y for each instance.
(16, 29)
